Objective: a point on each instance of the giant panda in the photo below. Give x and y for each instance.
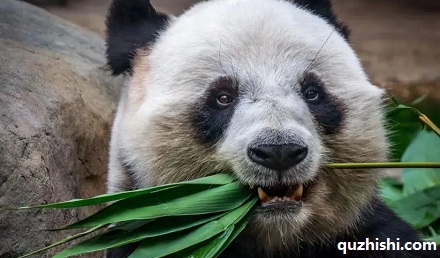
(268, 90)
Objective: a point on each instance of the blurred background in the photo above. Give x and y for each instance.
(397, 40)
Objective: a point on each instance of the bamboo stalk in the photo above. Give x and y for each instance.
(65, 240)
(429, 123)
(384, 165)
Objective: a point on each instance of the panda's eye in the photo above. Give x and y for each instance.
(222, 94)
(224, 100)
(312, 95)
(312, 89)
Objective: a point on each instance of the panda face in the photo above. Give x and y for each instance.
(269, 92)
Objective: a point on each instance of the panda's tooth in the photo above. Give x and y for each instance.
(297, 195)
(263, 196)
(261, 193)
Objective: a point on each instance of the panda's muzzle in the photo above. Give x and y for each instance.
(282, 155)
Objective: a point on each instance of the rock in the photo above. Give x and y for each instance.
(56, 107)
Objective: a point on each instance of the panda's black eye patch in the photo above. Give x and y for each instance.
(326, 108)
(211, 116)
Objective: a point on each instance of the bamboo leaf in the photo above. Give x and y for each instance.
(170, 203)
(169, 244)
(239, 227)
(215, 180)
(210, 249)
(216, 245)
(391, 190)
(420, 208)
(207, 248)
(434, 239)
(422, 117)
(136, 231)
(424, 147)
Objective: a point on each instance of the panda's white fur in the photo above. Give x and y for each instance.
(268, 47)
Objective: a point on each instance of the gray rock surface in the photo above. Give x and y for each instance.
(56, 107)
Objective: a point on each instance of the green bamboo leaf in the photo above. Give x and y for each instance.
(203, 249)
(172, 243)
(170, 203)
(391, 190)
(215, 246)
(132, 232)
(239, 227)
(218, 245)
(422, 117)
(129, 225)
(420, 208)
(434, 239)
(215, 180)
(66, 240)
(210, 249)
(424, 147)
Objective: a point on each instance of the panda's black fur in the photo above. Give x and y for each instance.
(131, 25)
(134, 25)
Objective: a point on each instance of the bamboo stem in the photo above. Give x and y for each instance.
(384, 165)
(429, 123)
(66, 240)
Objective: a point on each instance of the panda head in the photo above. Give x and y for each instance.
(268, 90)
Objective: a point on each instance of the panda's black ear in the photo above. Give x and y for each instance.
(131, 24)
(324, 9)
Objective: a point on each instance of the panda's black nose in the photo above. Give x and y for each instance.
(278, 157)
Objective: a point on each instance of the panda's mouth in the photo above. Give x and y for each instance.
(280, 194)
